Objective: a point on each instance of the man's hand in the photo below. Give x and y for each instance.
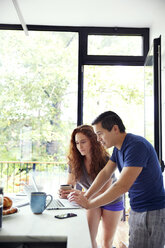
(79, 198)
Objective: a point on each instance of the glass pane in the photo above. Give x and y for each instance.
(149, 99)
(115, 45)
(116, 88)
(38, 94)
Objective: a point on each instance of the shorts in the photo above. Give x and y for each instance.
(147, 229)
(118, 206)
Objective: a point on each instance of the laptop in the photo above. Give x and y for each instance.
(56, 203)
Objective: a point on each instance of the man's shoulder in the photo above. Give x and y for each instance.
(135, 143)
(134, 138)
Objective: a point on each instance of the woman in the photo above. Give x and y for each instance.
(86, 158)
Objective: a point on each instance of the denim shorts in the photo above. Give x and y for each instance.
(147, 229)
(118, 206)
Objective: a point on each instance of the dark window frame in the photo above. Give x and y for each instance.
(115, 60)
(84, 58)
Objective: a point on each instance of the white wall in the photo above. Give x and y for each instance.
(124, 13)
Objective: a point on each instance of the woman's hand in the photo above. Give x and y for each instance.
(64, 193)
(79, 198)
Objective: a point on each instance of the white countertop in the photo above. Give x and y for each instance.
(25, 226)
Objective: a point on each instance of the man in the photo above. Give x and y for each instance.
(140, 175)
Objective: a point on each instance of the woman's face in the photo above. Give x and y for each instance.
(83, 144)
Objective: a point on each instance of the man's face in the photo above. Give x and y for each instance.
(105, 137)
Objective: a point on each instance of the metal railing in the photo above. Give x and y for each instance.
(15, 173)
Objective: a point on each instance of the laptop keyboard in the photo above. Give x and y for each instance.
(55, 204)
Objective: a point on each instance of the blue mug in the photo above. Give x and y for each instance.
(38, 202)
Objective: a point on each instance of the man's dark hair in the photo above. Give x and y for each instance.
(108, 119)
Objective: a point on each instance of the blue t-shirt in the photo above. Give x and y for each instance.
(147, 193)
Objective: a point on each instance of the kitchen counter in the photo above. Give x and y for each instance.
(26, 227)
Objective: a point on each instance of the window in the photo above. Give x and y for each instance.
(38, 92)
(47, 82)
(116, 88)
(61, 77)
(115, 45)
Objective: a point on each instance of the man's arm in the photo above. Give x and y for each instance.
(101, 179)
(121, 186)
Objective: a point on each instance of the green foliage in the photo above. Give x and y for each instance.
(35, 76)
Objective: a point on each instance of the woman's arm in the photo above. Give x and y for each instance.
(71, 179)
(102, 178)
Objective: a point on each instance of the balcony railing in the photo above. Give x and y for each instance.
(15, 173)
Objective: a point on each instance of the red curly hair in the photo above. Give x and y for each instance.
(98, 154)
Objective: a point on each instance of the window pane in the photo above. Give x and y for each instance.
(149, 96)
(38, 94)
(115, 45)
(116, 88)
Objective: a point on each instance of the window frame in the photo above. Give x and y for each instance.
(84, 58)
(115, 59)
